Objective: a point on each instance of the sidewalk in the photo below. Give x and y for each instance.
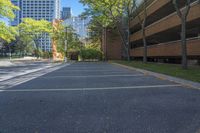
(17, 61)
(6, 63)
(23, 77)
(14, 61)
(16, 68)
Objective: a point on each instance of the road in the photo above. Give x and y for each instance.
(99, 98)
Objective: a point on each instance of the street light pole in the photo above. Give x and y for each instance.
(65, 50)
(65, 44)
(10, 54)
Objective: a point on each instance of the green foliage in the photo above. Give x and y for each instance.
(7, 8)
(38, 52)
(24, 44)
(73, 42)
(47, 55)
(95, 32)
(109, 12)
(7, 33)
(91, 53)
(93, 46)
(34, 29)
(97, 13)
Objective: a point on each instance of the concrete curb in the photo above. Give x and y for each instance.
(183, 82)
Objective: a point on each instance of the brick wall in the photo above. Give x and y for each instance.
(168, 22)
(111, 45)
(172, 49)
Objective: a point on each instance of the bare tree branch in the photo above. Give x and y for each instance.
(175, 3)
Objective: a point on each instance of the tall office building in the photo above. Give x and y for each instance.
(66, 13)
(16, 20)
(38, 9)
(79, 25)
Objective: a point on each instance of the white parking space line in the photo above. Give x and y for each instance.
(93, 76)
(95, 70)
(92, 89)
(107, 72)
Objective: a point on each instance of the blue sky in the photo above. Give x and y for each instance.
(77, 8)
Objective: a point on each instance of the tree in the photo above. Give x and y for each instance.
(57, 37)
(7, 8)
(113, 11)
(143, 25)
(95, 26)
(95, 32)
(24, 44)
(7, 33)
(98, 26)
(129, 6)
(73, 40)
(60, 35)
(35, 29)
(183, 16)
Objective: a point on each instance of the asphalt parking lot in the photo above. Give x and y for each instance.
(99, 98)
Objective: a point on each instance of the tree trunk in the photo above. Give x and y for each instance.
(101, 40)
(36, 40)
(105, 43)
(184, 43)
(183, 16)
(128, 43)
(124, 43)
(144, 41)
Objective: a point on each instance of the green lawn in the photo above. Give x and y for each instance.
(192, 73)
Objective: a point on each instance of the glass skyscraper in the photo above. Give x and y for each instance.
(66, 13)
(38, 9)
(79, 25)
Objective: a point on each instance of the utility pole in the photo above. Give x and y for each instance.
(10, 54)
(66, 44)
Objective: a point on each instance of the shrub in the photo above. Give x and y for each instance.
(46, 55)
(91, 53)
(38, 53)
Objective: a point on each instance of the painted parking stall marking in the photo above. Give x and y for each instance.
(91, 89)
